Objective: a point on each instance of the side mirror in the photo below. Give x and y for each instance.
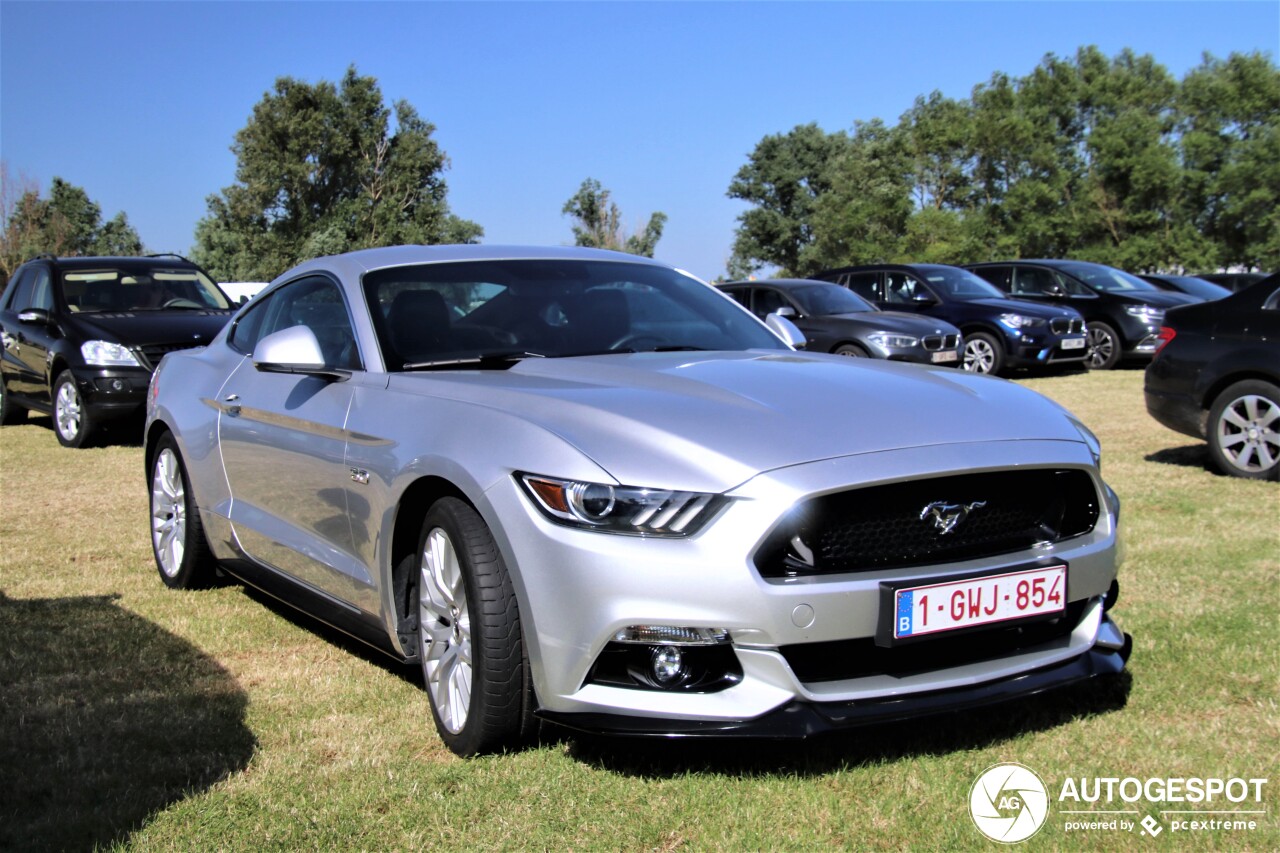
(34, 315)
(923, 299)
(785, 329)
(1055, 290)
(786, 311)
(294, 350)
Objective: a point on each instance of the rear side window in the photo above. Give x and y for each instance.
(862, 283)
(999, 276)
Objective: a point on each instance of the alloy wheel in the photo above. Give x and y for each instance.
(1101, 347)
(979, 356)
(1249, 433)
(445, 630)
(168, 513)
(67, 412)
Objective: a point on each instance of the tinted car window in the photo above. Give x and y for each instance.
(999, 276)
(902, 289)
(439, 312)
(312, 302)
(1109, 280)
(20, 290)
(768, 301)
(821, 300)
(960, 284)
(862, 283)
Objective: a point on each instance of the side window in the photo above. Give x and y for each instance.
(901, 288)
(1272, 303)
(999, 276)
(741, 295)
(767, 302)
(312, 302)
(20, 291)
(42, 290)
(863, 284)
(1032, 281)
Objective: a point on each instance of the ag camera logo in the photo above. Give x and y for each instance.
(1008, 803)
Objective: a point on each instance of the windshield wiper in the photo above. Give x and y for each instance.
(484, 361)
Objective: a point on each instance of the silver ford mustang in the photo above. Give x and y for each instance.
(585, 487)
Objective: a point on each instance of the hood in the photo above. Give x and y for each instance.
(711, 421)
(1159, 298)
(900, 321)
(1026, 307)
(149, 328)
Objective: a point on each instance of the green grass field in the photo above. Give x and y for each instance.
(138, 717)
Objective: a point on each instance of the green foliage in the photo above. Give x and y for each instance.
(1111, 160)
(598, 222)
(323, 169)
(66, 223)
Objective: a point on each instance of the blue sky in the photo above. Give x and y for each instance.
(661, 102)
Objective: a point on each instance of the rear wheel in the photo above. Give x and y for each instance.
(983, 353)
(72, 420)
(1244, 430)
(9, 412)
(177, 536)
(469, 636)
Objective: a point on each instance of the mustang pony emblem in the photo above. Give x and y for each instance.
(946, 516)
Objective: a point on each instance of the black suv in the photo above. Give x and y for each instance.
(1122, 311)
(999, 333)
(82, 336)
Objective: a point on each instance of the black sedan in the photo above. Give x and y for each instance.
(836, 320)
(1216, 376)
(1193, 285)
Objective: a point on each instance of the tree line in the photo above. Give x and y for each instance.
(1111, 160)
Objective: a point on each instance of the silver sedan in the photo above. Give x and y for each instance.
(587, 488)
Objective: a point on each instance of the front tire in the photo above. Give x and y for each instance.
(983, 354)
(469, 635)
(1244, 430)
(177, 536)
(1104, 346)
(851, 351)
(72, 420)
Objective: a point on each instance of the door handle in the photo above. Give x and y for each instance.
(233, 399)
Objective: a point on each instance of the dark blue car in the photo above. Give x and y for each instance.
(1000, 334)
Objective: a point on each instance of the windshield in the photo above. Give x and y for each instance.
(1206, 290)
(959, 284)
(143, 289)
(824, 299)
(1108, 279)
(435, 313)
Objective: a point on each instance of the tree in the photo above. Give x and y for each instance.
(323, 169)
(598, 222)
(784, 177)
(67, 223)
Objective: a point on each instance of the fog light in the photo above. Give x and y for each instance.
(667, 665)
(118, 385)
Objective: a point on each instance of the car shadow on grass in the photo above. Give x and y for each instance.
(126, 432)
(1187, 456)
(106, 720)
(961, 731)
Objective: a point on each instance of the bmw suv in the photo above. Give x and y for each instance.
(81, 336)
(1000, 333)
(1123, 313)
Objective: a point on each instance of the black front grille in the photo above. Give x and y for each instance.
(1067, 325)
(841, 659)
(923, 522)
(152, 353)
(939, 342)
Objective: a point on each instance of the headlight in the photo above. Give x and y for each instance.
(620, 509)
(1095, 446)
(107, 354)
(890, 341)
(1021, 321)
(1149, 313)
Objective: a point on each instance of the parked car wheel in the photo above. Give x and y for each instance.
(983, 353)
(1244, 430)
(177, 536)
(851, 350)
(9, 413)
(470, 644)
(1104, 346)
(71, 419)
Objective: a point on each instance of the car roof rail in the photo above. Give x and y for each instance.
(168, 255)
(43, 256)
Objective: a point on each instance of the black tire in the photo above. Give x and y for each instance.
(852, 351)
(485, 704)
(178, 543)
(983, 353)
(1104, 346)
(73, 423)
(10, 412)
(1244, 430)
